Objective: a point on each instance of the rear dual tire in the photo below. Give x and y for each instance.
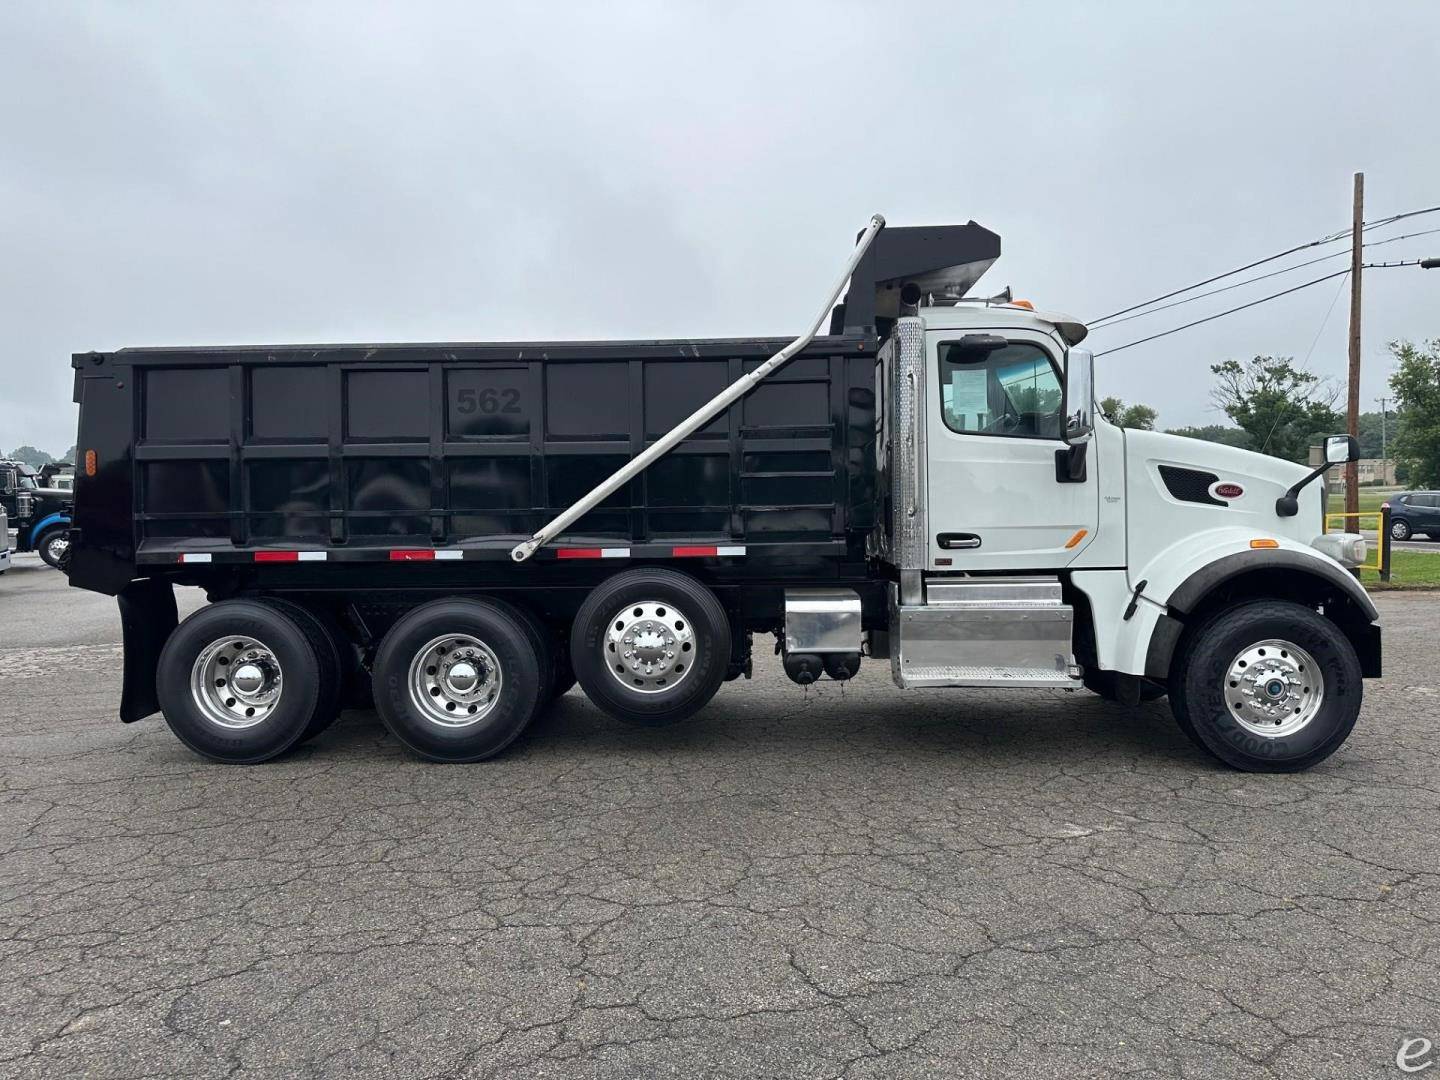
(459, 680)
(243, 681)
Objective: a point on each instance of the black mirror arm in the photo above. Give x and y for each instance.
(1288, 505)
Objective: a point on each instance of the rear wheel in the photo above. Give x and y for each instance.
(239, 682)
(650, 647)
(53, 544)
(458, 680)
(1268, 686)
(331, 661)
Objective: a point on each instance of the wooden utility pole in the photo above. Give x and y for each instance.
(1352, 405)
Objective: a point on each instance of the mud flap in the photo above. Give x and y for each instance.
(147, 618)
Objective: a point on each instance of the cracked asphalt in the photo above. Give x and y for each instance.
(847, 882)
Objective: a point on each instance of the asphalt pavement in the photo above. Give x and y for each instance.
(850, 881)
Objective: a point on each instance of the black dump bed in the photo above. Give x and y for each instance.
(198, 458)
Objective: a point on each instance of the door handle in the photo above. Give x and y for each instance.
(950, 541)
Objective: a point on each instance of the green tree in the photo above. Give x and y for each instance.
(1281, 408)
(1216, 433)
(1415, 383)
(1371, 443)
(31, 456)
(69, 455)
(1131, 416)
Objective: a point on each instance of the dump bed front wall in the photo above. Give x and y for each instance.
(239, 450)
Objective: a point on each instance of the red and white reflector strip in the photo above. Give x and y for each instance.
(425, 555)
(194, 557)
(592, 553)
(707, 551)
(290, 556)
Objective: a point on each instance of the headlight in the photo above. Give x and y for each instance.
(1349, 549)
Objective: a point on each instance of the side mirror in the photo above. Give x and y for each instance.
(1341, 450)
(1078, 405)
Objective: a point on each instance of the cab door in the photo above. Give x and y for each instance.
(998, 496)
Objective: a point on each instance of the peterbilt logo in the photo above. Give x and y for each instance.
(1227, 490)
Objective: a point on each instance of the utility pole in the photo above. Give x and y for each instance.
(1384, 448)
(1352, 406)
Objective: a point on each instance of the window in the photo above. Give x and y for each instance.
(1012, 391)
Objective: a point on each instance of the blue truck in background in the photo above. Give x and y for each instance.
(39, 515)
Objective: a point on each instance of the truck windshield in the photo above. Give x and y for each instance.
(1011, 391)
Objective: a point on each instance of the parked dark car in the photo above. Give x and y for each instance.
(1415, 513)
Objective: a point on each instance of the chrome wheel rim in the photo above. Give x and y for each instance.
(1274, 688)
(1400, 531)
(236, 682)
(649, 647)
(455, 681)
(57, 547)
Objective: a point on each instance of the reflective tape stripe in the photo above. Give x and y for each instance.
(189, 558)
(415, 555)
(277, 556)
(451, 555)
(592, 553)
(312, 556)
(733, 549)
(707, 550)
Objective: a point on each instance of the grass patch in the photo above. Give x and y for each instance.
(1408, 570)
(1370, 500)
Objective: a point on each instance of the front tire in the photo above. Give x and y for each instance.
(54, 542)
(1400, 529)
(1268, 686)
(650, 647)
(238, 682)
(459, 680)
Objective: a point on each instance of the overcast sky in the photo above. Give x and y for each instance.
(204, 173)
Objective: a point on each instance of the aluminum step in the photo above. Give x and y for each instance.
(984, 632)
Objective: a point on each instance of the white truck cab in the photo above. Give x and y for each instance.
(1037, 544)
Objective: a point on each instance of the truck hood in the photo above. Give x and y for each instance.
(1189, 484)
(1214, 457)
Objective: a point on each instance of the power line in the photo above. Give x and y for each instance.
(1253, 303)
(1217, 292)
(1328, 239)
(1222, 314)
(1219, 277)
(1258, 277)
(1305, 364)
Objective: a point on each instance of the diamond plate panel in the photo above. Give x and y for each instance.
(908, 528)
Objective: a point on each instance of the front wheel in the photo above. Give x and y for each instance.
(1268, 686)
(54, 542)
(1400, 529)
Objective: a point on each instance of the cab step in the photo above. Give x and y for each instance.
(985, 632)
